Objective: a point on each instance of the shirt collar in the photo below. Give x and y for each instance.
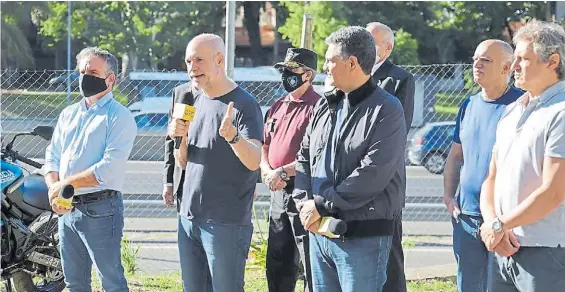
(545, 96)
(355, 96)
(551, 91)
(376, 67)
(101, 103)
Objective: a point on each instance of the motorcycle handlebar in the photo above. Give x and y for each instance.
(28, 161)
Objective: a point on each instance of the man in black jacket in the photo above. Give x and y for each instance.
(399, 83)
(348, 167)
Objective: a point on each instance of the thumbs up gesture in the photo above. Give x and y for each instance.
(227, 129)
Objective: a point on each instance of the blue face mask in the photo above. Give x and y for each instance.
(91, 85)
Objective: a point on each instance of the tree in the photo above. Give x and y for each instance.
(144, 32)
(410, 17)
(405, 50)
(324, 23)
(18, 18)
(446, 31)
(466, 24)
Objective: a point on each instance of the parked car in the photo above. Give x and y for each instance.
(152, 120)
(60, 82)
(430, 146)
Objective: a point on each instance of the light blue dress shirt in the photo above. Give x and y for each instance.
(99, 138)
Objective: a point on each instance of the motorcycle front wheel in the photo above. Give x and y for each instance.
(23, 282)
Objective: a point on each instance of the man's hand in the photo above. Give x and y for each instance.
(308, 214)
(227, 129)
(178, 128)
(489, 236)
(181, 154)
(54, 191)
(315, 226)
(452, 206)
(168, 197)
(509, 245)
(273, 180)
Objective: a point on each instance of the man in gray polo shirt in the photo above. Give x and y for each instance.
(525, 188)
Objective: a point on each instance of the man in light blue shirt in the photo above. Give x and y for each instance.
(89, 150)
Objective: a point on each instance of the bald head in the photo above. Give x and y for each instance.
(492, 63)
(384, 39)
(205, 61)
(210, 41)
(500, 48)
(382, 34)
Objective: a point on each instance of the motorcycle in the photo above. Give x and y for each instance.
(30, 238)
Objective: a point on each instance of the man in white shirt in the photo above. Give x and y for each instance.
(525, 189)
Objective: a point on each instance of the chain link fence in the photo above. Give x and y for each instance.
(32, 98)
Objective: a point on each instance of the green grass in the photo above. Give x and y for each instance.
(43, 104)
(255, 281)
(433, 285)
(451, 99)
(449, 110)
(408, 243)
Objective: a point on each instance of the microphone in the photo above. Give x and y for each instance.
(332, 227)
(184, 110)
(65, 198)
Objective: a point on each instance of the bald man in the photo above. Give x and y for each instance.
(388, 76)
(399, 83)
(224, 150)
(473, 141)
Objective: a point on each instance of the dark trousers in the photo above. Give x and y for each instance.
(287, 245)
(396, 280)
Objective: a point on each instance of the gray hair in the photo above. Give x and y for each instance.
(109, 59)
(548, 39)
(389, 33)
(308, 69)
(355, 41)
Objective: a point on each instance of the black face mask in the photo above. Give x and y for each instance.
(291, 81)
(91, 85)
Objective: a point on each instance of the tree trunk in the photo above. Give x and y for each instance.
(251, 22)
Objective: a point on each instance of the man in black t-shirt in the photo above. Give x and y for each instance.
(224, 151)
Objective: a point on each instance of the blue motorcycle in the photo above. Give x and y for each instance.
(31, 260)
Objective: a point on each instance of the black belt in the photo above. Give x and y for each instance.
(94, 197)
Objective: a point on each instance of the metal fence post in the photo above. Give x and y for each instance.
(306, 40)
(230, 37)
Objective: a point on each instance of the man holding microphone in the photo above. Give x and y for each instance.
(223, 155)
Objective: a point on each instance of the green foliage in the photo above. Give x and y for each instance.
(129, 256)
(258, 249)
(324, 23)
(147, 31)
(16, 20)
(405, 50)
(446, 31)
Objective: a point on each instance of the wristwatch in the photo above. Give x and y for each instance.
(284, 175)
(497, 225)
(235, 139)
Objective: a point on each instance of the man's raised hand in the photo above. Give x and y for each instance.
(227, 129)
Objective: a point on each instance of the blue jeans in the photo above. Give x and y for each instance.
(213, 256)
(92, 233)
(530, 269)
(470, 253)
(353, 265)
